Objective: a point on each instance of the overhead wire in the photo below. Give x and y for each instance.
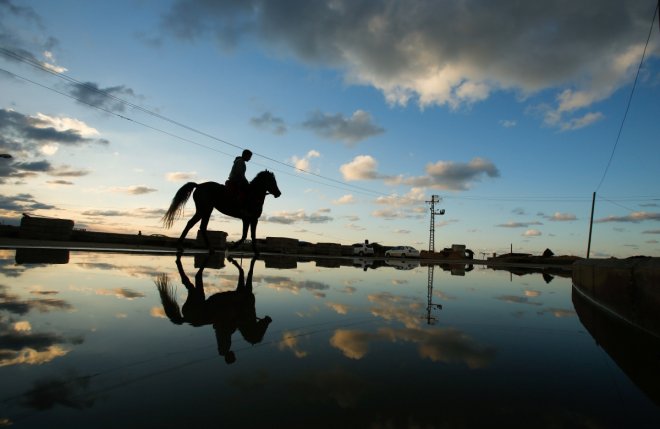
(157, 115)
(630, 97)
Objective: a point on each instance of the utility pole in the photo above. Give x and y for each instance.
(434, 213)
(591, 221)
(430, 319)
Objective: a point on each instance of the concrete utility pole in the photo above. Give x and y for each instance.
(434, 213)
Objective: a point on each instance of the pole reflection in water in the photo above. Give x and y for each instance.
(93, 343)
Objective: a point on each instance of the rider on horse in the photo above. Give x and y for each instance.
(237, 183)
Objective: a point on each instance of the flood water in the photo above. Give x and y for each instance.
(104, 340)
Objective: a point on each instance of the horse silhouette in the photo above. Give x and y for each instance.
(210, 195)
(226, 311)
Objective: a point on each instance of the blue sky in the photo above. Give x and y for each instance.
(509, 112)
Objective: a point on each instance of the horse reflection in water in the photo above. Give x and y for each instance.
(226, 311)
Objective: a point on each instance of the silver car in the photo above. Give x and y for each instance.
(402, 252)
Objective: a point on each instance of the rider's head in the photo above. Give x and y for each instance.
(247, 154)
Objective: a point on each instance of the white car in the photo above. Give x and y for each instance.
(402, 252)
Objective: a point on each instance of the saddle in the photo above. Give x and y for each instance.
(238, 193)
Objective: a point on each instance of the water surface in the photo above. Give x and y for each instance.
(105, 340)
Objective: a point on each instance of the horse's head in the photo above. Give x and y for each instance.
(271, 184)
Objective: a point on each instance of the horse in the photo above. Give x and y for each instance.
(210, 195)
(226, 311)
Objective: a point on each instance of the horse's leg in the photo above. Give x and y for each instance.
(193, 220)
(253, 233)
(202, 228)
(245, 229)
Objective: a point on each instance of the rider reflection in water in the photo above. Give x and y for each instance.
(226, 311)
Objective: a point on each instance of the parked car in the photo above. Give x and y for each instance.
(402, 252)
(363, 249)
(402, 264)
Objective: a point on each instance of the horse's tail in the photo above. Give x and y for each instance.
(178, 202)
(168, 299)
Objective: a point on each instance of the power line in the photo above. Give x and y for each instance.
(96, 90)
(632, 91)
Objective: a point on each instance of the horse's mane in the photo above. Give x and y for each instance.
(261, 176)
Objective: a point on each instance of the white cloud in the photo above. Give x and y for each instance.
(345, 199)
(180, 176)
(362, 167)
(303, 163)
(633, 217)
(63, 123)
(561, 217)
(531, 233)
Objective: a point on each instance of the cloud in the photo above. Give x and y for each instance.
(518, 224)
(531, 233)
(633, 217)
(134, 190)
(29, 137)
(362, 167)
(293, 286)
(290, 341)
(344, 199)
(414, 197)
(442, 53)
(21, 32)
(109, 98)
(121, 293)
(651, 231)
(508, 123)
(180, 176)
(453, 176)
(513, 299)
(445, 345)
(562, 217)
(303, 164)
(270, 123)
(22, 203)
(288, 218)
(351, 130)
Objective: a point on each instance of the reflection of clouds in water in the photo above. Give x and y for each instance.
(516, 300)
(28, 356)
(157, 312)
(441, 295)
(532, 293)
(349, 290)
(44, 292)
(338, 308)
(558, 312)
(446, 345)
(20, 346)
(311, 313)
(394, 307)
(9, 269)
(121, 293)
(14, 304)
(397, 282)
(291, 341)
(293, 286)
(70, 391)
(23, 325)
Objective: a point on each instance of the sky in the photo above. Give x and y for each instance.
(513, 113)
